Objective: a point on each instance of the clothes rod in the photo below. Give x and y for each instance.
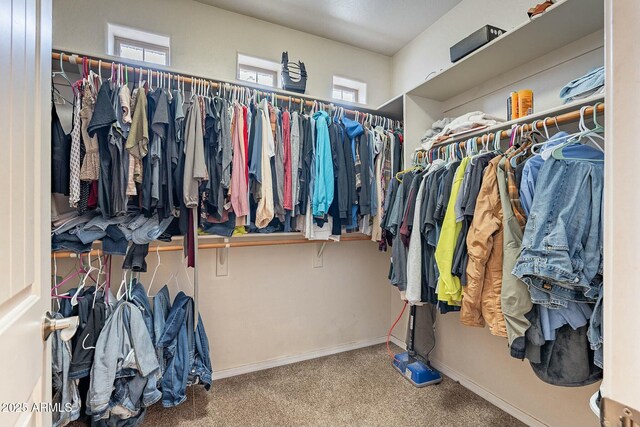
(487, 137)
(220, 245)
(189, 79)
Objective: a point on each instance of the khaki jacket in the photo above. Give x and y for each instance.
(481, 297)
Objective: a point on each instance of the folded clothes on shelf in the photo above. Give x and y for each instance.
(585, 86)
(444, 128)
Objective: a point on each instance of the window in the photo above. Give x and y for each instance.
(138, 45)
(345, 93)
(258, 71)
(349, 90)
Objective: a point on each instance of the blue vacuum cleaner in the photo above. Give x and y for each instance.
(414, 368)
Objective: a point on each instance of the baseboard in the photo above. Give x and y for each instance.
(286, 360)
(487, 395)
(398, 342)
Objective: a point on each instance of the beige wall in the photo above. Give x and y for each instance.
(473, 356)
(428, 53)
(273, 304)
(205, 41)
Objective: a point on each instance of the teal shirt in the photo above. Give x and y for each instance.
(323, 184)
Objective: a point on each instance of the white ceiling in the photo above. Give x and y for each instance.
(382, 26)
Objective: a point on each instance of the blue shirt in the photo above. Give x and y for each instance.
(534, 164)
(323, 184)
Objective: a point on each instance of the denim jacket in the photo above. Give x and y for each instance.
(65, 389)
(140, 300)
(185, 353)
(161, 306)
(123, 375)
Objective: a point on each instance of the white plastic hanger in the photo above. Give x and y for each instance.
(74, 298)
(99, 285)
(123, 286)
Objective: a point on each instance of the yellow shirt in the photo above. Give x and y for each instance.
(449, 288)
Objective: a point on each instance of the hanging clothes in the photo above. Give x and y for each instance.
(449, 288)
(323, 188)
(60, 156)
(481, 296)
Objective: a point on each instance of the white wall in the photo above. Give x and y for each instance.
(429, 51)
(205, 41)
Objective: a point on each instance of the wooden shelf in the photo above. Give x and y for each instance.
(562, 23)
(393, 108)
(552, 112)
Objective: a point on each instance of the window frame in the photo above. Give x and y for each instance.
(343, 90)
(345, 84)
(118, 41)
(257, 70)
(145, 40)
(259, 66)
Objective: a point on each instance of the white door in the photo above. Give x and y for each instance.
(25, 69)
(621, 385)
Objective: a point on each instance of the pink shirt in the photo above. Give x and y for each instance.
(286, 140)
(239, 190)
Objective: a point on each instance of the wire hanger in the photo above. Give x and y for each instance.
(154, 272)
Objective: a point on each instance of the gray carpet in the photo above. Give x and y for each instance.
(356, 388)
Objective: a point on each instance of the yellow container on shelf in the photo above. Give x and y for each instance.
(514, 106)
(525, 102)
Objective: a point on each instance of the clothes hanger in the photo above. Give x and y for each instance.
(154, 272)
(484, 150)
(402, 172)
(123, 286)
(74, 299)
(585, 132)
(517, 148)
(63, 74)
(99, 286)
(546, 134)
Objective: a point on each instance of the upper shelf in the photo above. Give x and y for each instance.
(393, 108)
(562, 23)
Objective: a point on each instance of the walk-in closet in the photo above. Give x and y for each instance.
(280, 213)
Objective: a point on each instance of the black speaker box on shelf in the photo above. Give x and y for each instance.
(474, 41)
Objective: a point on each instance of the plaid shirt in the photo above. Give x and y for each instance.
(514, 195)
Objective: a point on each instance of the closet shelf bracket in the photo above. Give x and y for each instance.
(317, 255)
(614, 414)
(222, 259)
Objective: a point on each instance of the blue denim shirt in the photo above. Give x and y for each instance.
(65, 390)
(123, 375)
(186, 354)
(534, 163)
(140, 300)
(561, 255)
(594, 79)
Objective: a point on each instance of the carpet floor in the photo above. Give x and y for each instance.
(355, 388)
